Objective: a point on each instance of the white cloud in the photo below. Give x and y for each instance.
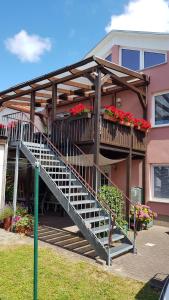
(28, 48)
(142, 15)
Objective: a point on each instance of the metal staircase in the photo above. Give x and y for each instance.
(94, 219)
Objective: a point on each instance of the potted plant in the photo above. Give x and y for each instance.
(81, 110)
(6, 215)
(142, 124)
(24, 225)
(144, 216)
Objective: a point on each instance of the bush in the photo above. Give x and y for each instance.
(113, 197)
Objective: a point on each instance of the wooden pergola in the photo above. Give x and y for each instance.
(93, 78)
(75, 83)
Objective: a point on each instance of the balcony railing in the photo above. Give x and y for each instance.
(81, 130)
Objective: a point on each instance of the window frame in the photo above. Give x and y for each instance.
(108, 54)
(132, 49)
(152, 198)
(142, 56)
(154, 51)
(153, 110)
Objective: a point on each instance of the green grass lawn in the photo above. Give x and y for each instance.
(62, 278)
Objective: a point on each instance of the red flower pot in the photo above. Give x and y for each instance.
(7, 223)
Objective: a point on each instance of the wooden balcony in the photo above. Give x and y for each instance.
(81, 131)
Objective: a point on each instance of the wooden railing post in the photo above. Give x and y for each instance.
(97, 105)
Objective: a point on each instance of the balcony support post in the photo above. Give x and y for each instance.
(97, 105)
(129, 174)
(144, 179)
(53, 113)
(32, 110)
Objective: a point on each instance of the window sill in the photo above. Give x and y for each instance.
(159, 200)
(147, 68)
(160, 126)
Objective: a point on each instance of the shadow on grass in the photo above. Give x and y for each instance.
(153, 288)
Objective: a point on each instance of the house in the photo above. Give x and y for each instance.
(146, 52)
(80, 153)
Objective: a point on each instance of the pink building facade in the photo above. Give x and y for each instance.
(153, 53)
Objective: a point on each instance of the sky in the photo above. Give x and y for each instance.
(40, 36)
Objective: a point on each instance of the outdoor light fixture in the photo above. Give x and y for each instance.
(118, 102)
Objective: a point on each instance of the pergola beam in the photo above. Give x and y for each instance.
(51, 74)
(118, 68)
(120, 81)
(65, 80)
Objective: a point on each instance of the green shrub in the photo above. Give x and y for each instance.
(113, 197)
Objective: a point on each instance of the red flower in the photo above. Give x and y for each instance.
(79, 109)
(121, 116)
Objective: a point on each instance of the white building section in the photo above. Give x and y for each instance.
(3, 167)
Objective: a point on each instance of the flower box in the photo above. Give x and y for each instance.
(85, 115)
(109, 118)
(112, 119)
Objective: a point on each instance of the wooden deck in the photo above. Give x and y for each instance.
(81, 130)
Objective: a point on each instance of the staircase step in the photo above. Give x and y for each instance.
(89, 210)
(96, 219)
(71, 187)
(100, 229)
(38, 145)
(75, 194)
(49, 160)
(38, 149)
(118, 250)
(64, 179)
(82, 202)
(53, 166)
(115, 237)
(54, 172)
(43, 154)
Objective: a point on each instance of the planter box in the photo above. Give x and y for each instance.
(83, 116)
(149, 225)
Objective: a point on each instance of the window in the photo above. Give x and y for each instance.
(131, 59)
(109, 57)
(104, 180)
(161, 182)
(152, 59)
(161, 109)
(140, 59)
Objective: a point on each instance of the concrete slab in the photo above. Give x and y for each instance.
(152, 255)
